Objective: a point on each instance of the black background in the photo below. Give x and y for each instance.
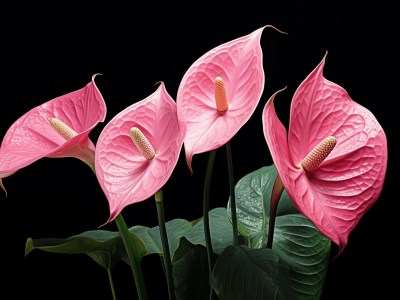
(50, 50)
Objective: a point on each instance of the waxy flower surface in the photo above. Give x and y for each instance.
(137, 151)
(333, 160)
(219, 93)
(57, 128)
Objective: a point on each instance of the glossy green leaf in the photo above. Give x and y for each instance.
(244, 273)
(296, 239)
(191, 275)
(299, 243)
(220, 230)
(151, 236)
(193, 232)
(253, 203)
(104, 247)
(107, 247)
(190, 264)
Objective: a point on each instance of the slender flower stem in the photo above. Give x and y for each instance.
(164, 240)
(232, 193)
(110, 279)
(206, 223)
(135, 263)
(275, 196)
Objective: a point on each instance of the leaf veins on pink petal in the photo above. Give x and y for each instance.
(338, 193)
(31, 137)
(124, 174)
(239, 64)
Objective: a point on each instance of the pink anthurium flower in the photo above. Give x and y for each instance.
(333, 160)
(219, 93)
(137, 151)
(57, 128)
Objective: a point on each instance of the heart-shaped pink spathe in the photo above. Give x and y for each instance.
(240, 64)
(124, 174)
(349, 181)
(31, 137)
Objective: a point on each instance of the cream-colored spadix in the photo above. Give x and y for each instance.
(318, 154)
(63, 129)
(221, 99)
(142, 143)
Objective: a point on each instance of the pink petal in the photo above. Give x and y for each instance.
(276, 137)
(240, 64)
(125, 176)
(31, 137)
(350, 180)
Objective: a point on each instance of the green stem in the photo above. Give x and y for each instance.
(232, 192)
(206, 223)
(135, 263)
(164, 240)
(110, 279)
(275, 196)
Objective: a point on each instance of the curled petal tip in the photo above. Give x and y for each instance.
(94, 75)
(338, 193)
(160, 82)
(281, 90)
(272, 98)
(189, 163)
(273, 27)
(3, 188)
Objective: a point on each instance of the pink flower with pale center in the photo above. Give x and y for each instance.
(57, 128)
(344, 176)
(219, 93)
(137, 151)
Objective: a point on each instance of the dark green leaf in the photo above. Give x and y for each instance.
(296, 239)
(244, 273)
(306, 251)
(220, 228)
(191, 275)
(104, 247)
(253, 193)
(107, 247)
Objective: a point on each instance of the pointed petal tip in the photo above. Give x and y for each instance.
(281, 90)
(189, 158)
(340, 248)
(271, 99)
(2, 186)
(190, 167)
(95, 75)
(324, 57)
(110, 219)
(104, 224)
(273, 27)
(160, 82)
